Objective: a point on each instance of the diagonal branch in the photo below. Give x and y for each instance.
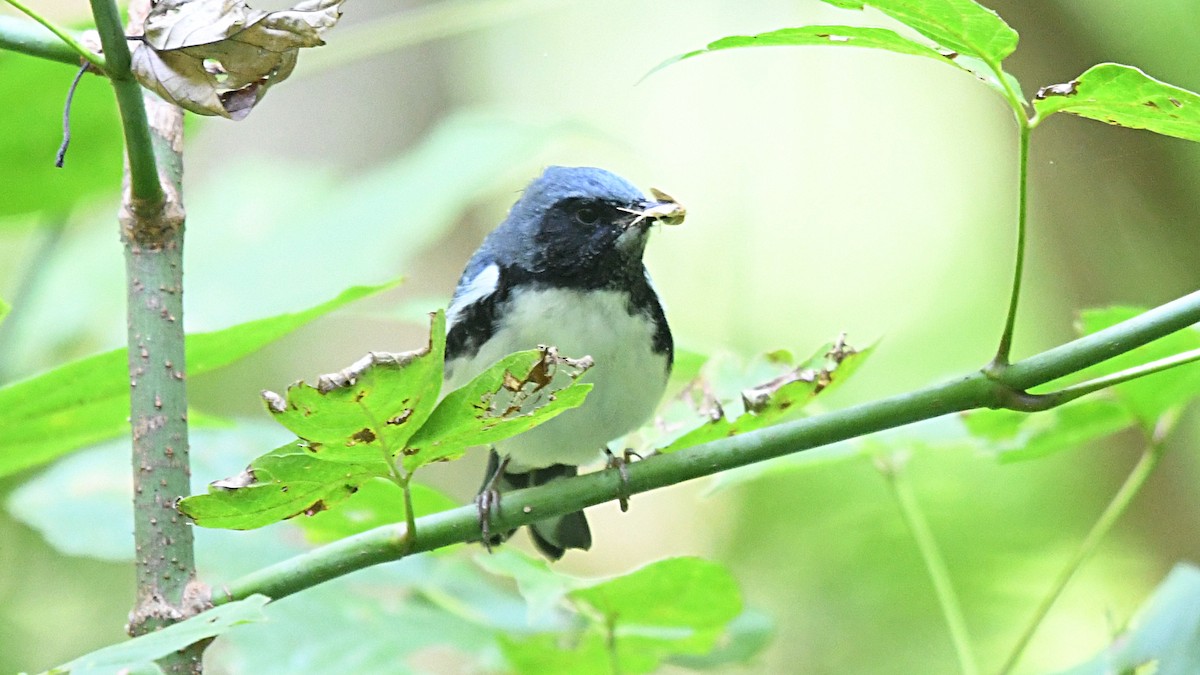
(521, 507)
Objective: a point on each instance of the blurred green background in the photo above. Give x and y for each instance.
(827, 191)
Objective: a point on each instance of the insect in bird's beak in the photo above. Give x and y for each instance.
(664, 210)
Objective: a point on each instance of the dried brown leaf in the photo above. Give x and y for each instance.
(219, 57)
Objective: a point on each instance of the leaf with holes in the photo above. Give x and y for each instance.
(770, 402)
(1127, 97)
(377, 502)
(219, 57)
(516, 394)
(290, 480)
(372, 408)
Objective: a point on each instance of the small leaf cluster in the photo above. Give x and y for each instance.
(384, 417)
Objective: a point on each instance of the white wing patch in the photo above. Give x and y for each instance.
(480, 286)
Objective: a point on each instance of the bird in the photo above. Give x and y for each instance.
(565, 268)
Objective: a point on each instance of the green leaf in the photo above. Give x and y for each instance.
(87, 401)
(514, 395)
(1165, 638)
(286, 482)
(667, 608)
(33, 132)
(372, 408)
(546, 654)
(5, 308)
(542, 587)
(853, 36)
(140, 653)
(378, 501)
(1016, 436)
(964, 26)
(837, 36)
(774, 401)
(746, 637)
(688, 593)
(1150, 397)
(1127, 97)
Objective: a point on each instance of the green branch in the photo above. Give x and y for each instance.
(521, 507)
(54, 43)
(145, 188)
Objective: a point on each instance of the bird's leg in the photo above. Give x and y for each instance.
(621, 464)
(488, 499)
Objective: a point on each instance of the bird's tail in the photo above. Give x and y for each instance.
(552, 536)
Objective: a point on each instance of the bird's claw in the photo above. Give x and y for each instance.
(621, 464)
(485, 502)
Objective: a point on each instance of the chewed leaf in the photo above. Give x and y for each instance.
(219, 57)
(371, 407)
(377, 502)
(1127, 97)
(516, 394)
(288, 481)
(761, 405)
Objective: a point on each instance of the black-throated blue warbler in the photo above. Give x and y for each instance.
(565, 269)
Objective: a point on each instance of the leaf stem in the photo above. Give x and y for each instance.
(1116, 507)
(1004, 350)
(61, 33)
(895, 470)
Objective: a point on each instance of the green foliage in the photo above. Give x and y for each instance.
(5, 308)
(87, 401)
(139, 654)
(1127, 97)
(496, 405)
(1165, 633)
(1013, 436)
(1150, 398)
(290, 480)
(766, 391)
(377, 410)
(964, 26)
(631, 623)
(377, 502)
(357, 424)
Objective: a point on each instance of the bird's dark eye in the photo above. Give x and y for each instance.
(587, 215)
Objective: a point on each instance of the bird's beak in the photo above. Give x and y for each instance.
(664, 209)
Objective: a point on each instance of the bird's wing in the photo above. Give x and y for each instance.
(470, 320)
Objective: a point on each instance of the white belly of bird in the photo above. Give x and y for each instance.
(628, 378)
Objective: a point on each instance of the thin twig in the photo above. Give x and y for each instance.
(1116, 507)
(66, 141)
(893, 468)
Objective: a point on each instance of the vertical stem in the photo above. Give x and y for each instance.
(151, 220)
(142, 173)
(910, 510)
(1116, 507)
(1001, 360)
